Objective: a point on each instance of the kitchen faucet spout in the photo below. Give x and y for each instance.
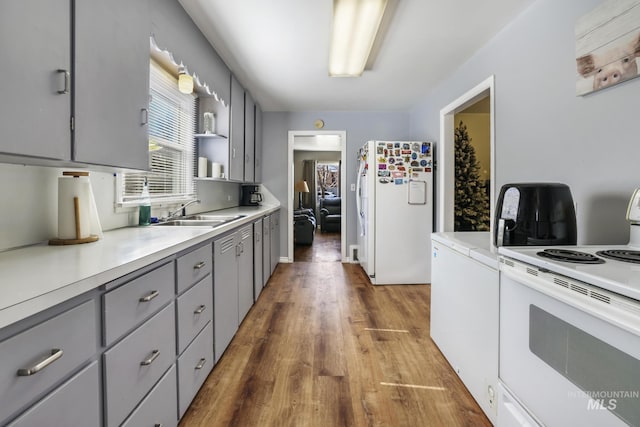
(182, 209)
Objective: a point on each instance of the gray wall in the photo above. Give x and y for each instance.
(360, 127)
(543, 131)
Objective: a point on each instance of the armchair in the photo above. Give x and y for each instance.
(330, 214)
(304, 226)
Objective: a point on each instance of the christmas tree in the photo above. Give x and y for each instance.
(471, 201)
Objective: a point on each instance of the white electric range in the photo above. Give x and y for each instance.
(570, 333)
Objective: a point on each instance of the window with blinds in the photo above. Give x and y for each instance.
(172, 116)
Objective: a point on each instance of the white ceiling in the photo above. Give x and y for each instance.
(279, 49)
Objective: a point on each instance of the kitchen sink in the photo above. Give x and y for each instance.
(202, 221)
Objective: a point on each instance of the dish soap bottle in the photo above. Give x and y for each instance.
(144, 216)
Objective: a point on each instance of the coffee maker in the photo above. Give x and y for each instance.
(250, 195)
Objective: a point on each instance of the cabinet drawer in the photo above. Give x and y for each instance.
(158, 408)
(195, 309)
(193, 267)
(193, 367)
(72, 334)
(136, 363)
(75, 403)
(128, 305)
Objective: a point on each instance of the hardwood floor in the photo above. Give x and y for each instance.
(325, 248)
(323, 347)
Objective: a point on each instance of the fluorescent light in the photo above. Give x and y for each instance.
(355, 25)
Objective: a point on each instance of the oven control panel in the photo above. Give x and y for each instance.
(633, 211)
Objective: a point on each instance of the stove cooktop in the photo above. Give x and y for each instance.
(611, 273)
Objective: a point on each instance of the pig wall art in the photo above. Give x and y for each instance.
(608, 45)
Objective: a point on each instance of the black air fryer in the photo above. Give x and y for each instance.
(535, 214)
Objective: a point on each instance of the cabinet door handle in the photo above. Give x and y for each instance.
(67, 78)
(233, 155)
(201, 363)
(200, 309)
(144, 116)
(199, 265)
(158, 425)
(55, 354)
(149, 297)
(153, 356)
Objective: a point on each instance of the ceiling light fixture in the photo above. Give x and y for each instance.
(354, 29)
(185, 81)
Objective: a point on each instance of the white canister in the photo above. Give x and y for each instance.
(216, 170)
(203, 163)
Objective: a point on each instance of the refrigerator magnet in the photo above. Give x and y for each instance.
(396, 145)
(384, 180)
(398, 181)
(382, 166)
(406, 146)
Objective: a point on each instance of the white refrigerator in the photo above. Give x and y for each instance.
(395, 211)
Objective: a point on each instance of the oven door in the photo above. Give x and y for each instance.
(562, 360)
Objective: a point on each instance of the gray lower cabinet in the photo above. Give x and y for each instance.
(193, 267)
(35, 88)
(257, 259)
(136, 363)
(127, 306)
(111, 45)
(266, 249)
(75, 403)
(275, 240)
(157, 409)
(44, 355)
(225, 291)
(193, 367)
(245, 272)
(195, 310)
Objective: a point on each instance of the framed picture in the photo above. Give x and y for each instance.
(607, 45)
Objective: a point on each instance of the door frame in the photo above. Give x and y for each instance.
(446, 153)
(342, 148)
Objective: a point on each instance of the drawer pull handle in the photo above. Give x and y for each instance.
(56, 354)
(199, 265)
(149, 297)
(200, 309)
(154, 355)
(158, 425)
(201, 364)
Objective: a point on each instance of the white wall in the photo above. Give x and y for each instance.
(543, 131)
(360, 127)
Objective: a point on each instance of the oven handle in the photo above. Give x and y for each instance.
(606, 312)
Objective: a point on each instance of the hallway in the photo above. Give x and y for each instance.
(323, 347)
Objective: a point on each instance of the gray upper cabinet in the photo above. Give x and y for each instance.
(111, 82)
(249, 137)
(257, 154)
(236, 137)
(35, 86)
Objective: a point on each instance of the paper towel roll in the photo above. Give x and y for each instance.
(203, 162)
(216, 170)
(68, 188)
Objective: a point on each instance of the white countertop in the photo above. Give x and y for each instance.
(37, 277)
(474, 244)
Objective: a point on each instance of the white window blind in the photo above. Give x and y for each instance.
(172, 116)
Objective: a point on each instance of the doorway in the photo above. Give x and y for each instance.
(318, 148)
(482, 93)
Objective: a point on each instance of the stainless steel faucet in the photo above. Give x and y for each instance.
(182, 209)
